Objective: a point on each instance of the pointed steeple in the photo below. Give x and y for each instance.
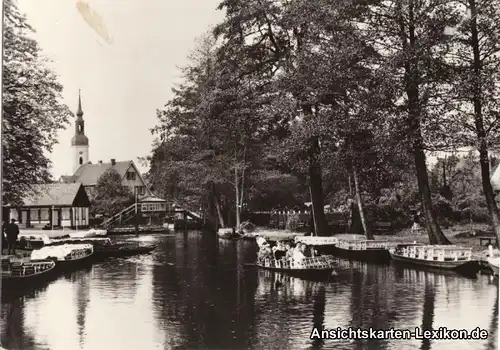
(79, 111)
(79, 139)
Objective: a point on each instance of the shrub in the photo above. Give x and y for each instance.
(475, 214)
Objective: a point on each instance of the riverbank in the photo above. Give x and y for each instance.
(464, 235)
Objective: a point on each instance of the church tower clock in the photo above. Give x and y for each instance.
(79, 142)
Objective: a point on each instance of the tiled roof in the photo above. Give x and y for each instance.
(56, 194)
(88, 174)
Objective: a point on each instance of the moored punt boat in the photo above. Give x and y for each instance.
(446, 257)
(105, 248)
(124, 249)
(25, 273)
(82, 240)
(28, 241)
(227, 233)
(66, 256)
(93, 232)
(313, 268)
(362, 250)
(324, 245)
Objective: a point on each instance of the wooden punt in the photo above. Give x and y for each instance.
(444, 257)
(68, 257)
(22, 274)
(324, 245)
(363, 250)
(227, 233)
(314, 268)
(124, 249)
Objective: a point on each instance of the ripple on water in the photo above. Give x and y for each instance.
(191, 292)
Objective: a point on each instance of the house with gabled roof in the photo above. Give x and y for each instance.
(55, 204)
(88, 175)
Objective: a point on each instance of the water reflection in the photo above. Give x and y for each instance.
(428, 313)
(493, 329)
(194, 292)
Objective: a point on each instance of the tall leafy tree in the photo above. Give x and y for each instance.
(476, 56)
(110, 196)
(32, 108)
(410, 36)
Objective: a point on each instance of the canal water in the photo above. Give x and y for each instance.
(193, 292)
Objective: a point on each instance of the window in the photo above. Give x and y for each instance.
(80, 161)
(79, 128)
(141, 190)
(66, 214)
(147, 207)
(130, 175)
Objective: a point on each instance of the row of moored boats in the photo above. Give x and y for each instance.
(442, 257)
(48, 256)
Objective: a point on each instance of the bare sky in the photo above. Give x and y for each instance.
(122, 83)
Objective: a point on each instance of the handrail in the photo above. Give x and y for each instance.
(117, 216)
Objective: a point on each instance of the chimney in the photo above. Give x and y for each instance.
(113, 161)
(100, 162)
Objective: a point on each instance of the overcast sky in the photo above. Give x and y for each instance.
(122, 83)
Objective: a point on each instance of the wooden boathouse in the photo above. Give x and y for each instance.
(52, 205)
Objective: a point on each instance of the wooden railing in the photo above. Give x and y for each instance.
(121, 217)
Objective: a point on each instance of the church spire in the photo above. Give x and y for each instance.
(79, 112)
(79, 139)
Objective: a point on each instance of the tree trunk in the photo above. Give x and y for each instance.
(350, 185)
(479, 123)
(436, 236)
(212, 211)
(242, 192)
(359, 201)
(219, 213)
(316, 189)
(315, 173)
(237, 191)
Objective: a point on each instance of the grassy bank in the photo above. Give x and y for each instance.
(464, 235)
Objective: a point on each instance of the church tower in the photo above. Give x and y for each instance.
(79, 142)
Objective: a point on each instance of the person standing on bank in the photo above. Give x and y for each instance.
(11, 231)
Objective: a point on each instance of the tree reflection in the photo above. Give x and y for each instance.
(428, 311)
(319, 315)
(206, 292)
(14, 334)
(82, 299)
(493, 330)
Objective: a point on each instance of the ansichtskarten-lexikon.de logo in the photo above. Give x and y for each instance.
(442, 333)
